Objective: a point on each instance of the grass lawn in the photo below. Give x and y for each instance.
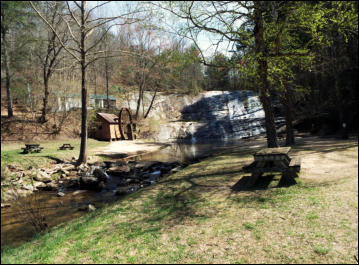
(194, 217)
(11, 153)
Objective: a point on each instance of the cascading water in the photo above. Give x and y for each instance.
(193, 140)
(192, 131)
(223, 133)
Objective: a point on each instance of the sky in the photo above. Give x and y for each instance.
(206, 41)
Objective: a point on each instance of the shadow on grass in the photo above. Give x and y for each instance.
(57, 160)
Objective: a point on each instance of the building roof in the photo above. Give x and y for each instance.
(109, 117)
(102, 97)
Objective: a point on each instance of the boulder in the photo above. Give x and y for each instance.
(79, 192)
(28, 187)
(51, 186)
(91, 160)
(68, 167)
(119, 170)
(145, 164)
(99, 164)
(60, 194)
(91, 183)
(11, 167)
(176, 169)
(121, 191)
(100, 174)
(91, 208)
(101, 185)
(23, 192)
(43, 177)
(39, 184)
(88, 208)
(20, 174)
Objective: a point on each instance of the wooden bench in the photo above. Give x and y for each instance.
(66, 146)
(31, 148)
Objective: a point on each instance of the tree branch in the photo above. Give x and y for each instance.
(47, 23)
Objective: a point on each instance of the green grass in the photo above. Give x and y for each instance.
(320, 250)
(11, 154)
(194, 217)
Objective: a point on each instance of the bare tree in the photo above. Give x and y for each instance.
(50, 59)
(81, 23)
(153, 51)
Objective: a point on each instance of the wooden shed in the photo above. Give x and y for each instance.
(108, 129)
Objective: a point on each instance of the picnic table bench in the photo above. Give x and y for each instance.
(30, 148)
(66, 146)
(274, 160)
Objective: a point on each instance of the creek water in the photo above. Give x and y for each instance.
(15, 229)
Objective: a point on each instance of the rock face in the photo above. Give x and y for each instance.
(210, 115)
(235, 114)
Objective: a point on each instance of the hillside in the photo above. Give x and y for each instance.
(24, 127)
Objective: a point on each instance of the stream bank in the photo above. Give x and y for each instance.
(83, 189)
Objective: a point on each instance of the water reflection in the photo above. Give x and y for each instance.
(185, 151)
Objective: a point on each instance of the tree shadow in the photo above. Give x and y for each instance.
(323, 145)
(57, 160)
(113, 155)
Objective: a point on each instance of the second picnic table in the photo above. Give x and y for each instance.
(66, 146)
(270, 160)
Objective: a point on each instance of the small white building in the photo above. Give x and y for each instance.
(71, 101)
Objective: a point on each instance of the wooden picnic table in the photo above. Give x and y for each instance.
(66, 146)
(31, 148)
(274, 160)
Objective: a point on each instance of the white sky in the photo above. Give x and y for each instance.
(206, 41)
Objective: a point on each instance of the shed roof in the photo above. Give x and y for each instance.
(102, 97)
(109, 117)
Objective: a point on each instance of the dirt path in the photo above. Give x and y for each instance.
(129, 148)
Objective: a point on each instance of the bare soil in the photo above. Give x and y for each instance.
(127, 147)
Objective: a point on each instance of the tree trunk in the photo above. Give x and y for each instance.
(260, 51)
(138, 103)
(45, 99)
(107, 77)
(287, 103)
(151, 104)
(7, 73)
(83, 147)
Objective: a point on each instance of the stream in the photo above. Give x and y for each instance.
(14, 229)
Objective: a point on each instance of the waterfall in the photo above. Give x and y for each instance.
(192, 131)
(193, 150)
(223, 133)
